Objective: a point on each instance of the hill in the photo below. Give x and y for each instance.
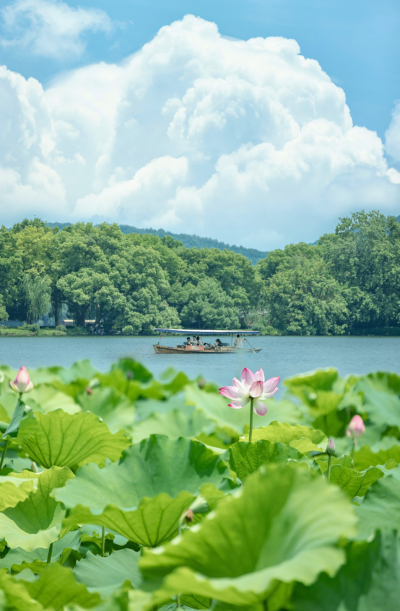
(189, 241)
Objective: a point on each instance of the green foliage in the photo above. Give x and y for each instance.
(122, 492)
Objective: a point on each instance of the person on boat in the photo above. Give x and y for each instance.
(194, 341)
(199, 341)
(218, 343)
(238, 343)
(188, 342)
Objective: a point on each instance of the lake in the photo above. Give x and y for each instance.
(283, 356)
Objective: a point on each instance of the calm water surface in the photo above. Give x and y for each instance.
(284, 356)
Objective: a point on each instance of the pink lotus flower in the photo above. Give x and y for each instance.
(22, 382)
(251, 386)
(356, 427)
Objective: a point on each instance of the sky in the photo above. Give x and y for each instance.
(256, 122)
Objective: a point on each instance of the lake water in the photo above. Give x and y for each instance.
(283, 356)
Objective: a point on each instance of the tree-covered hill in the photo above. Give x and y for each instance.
(190, 241)
(349, 282)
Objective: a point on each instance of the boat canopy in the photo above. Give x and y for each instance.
(207, 332)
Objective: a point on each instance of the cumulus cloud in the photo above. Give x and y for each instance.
(245, 141)
(50, 28)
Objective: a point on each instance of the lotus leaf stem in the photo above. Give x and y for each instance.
(329, 467)
(103, 541)
(251, 420)
(50, 553)
(4, 453)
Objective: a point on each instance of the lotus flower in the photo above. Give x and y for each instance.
(356, 427)
(330, 448)
(22, 382)
(251, 386)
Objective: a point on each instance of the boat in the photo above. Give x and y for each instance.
(184, 348)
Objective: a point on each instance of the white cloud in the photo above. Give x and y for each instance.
(245, 141)
(50, 28)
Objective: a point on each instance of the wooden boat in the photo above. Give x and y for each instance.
(192, 349)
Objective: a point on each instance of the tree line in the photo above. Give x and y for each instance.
(348, 281)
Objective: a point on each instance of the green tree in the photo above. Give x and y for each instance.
(37, 296)
(3, 311)
(209, 307)
(304, 299)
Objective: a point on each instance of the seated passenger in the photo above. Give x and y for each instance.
(199, 341)
(188, 342)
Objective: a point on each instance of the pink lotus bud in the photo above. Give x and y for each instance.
(356, 427)
(22, 382)
(256, 389)
(330, 448)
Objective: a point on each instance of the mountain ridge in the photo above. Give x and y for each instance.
(188, 240)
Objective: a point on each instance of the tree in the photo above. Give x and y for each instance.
(209, 307)
(304, 299)
(37, 296)
(3, 311)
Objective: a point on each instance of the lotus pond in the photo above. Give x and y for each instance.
(123, 492)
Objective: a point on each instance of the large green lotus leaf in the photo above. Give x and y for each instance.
(353, 483)
(15, 489)
(245, 458)
(133, 370)
(113, 407)
(4, 418)
(107, 575)
(65, 440)
(154, 520)
(146, 407)
(321, 390)
(56, 587)
(216, 408)
(320, 379)
(143, 497)
(18, 559)
(369, 581)
(130, 387)
(36, 521)
(381, 506)
(80, 370)
(288, 434)
(274, 526)
(173, 424)
(366, 457)
(381, 397)
(15, 596)
(46, 398)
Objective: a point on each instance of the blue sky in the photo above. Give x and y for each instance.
(195, 131)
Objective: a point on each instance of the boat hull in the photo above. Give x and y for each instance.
(224, 350)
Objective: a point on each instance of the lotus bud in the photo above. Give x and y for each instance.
(89, 390)
(356, 427)
(189, 516)
(330, 448)
(22, 382)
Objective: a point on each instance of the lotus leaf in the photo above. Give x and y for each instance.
(107, 575)
(15, 597)
(36, 521)
(15, 489)
(290, 539)
(56, 587)
(366, 457)
(18, 559)
(65, 440)
(143, 497)
(245, 458)
(381, 507)
(353, 483)
(46, 398)
(114, 408)
(177, 423)
(369, 581)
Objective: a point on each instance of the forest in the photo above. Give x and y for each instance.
(348, 282)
